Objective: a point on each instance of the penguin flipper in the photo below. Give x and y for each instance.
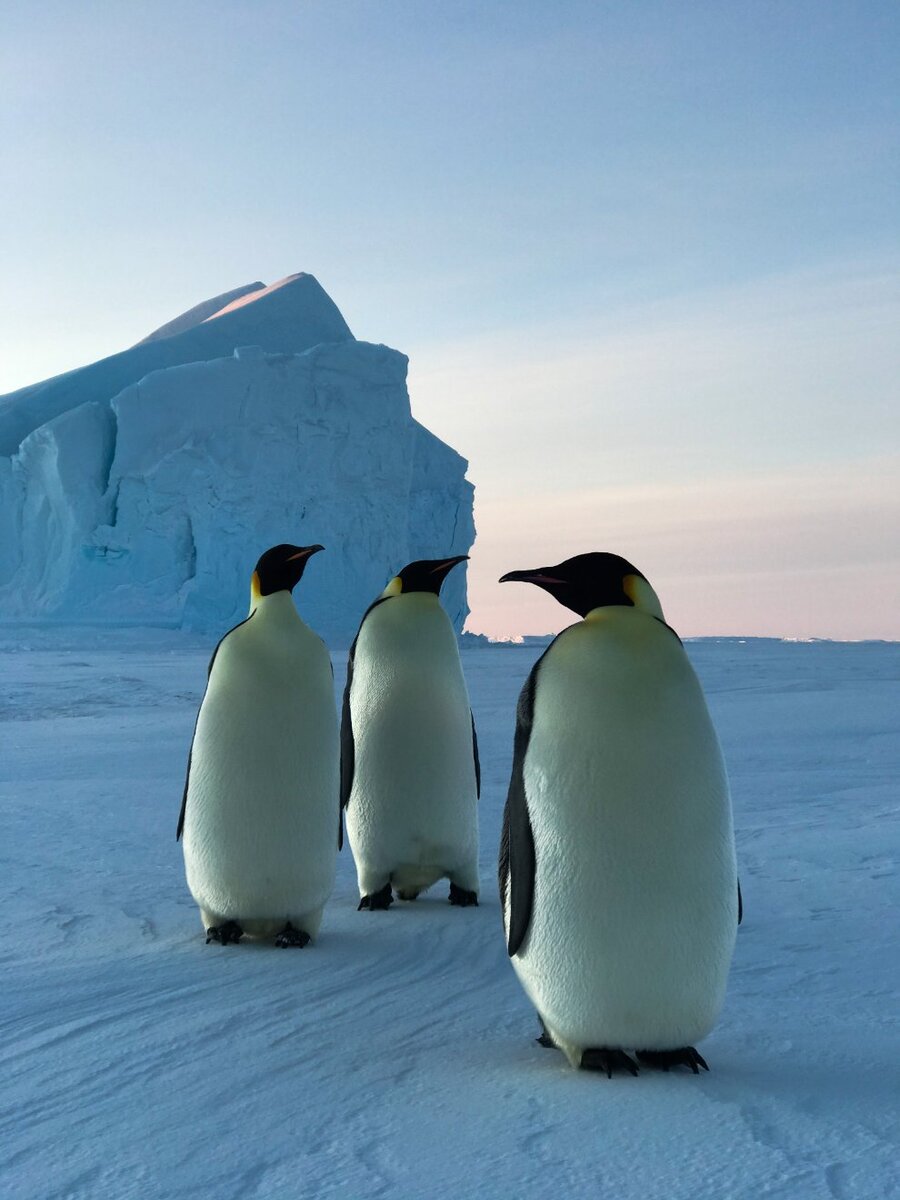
(180, 830)
(348, 749)
(187, 778)
(740, 904)
(477, 759)
(517, 862)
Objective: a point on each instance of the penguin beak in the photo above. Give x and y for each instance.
(447, 564)
(540, 575)
(442, 569)
(304, 552)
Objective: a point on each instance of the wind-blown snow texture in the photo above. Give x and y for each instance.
(142, 489)
(396, 1058)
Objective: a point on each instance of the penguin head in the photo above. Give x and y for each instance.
(280, 568)
(424, 575)
(595, 580)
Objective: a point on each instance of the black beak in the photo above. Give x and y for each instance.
(539, 575)
(304, 552)
(441, 568)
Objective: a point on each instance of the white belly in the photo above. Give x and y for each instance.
(412, 812)
(261, 821)
(635, 903)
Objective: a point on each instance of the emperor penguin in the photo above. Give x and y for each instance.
(409, 754)
(260, 813)
(617, 870)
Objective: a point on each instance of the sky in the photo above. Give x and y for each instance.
(644, 258)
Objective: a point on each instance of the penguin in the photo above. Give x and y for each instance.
(618, 881)
(410, 776)
(259, 813)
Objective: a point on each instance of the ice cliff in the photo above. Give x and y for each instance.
(141, 489)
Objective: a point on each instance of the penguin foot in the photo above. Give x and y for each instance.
(687, 1056)
(228, 934)
(381, 899)
(460, 897)
(603, 1058)
(408, 896)
(290, 936)
(545, 1039)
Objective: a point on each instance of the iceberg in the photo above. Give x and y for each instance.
(140, 490)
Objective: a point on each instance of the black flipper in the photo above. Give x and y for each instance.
(516, 864)
(348, 752)
(740, 904)
(477, 759)
(187, 777)
(348, 749)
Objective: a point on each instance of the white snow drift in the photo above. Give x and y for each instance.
(142, 488)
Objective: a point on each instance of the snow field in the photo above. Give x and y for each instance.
(396, 1056)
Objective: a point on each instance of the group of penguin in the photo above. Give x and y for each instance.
(617, 873)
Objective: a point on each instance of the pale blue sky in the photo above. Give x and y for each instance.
(644, 257)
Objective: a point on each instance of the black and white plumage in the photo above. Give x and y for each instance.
(259, 814)
(409, 756)
(617, 866)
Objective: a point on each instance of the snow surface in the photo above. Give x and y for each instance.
(143, 488)
(396, 1058)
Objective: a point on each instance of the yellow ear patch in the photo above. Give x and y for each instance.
(642, 595)
(255, 593)
(394, 588)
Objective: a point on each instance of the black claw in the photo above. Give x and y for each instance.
(462, 898)
(380, 899)
(686, 1056)
(603, 1058)
(545, 1039)
(228, 934)
(290, 936)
